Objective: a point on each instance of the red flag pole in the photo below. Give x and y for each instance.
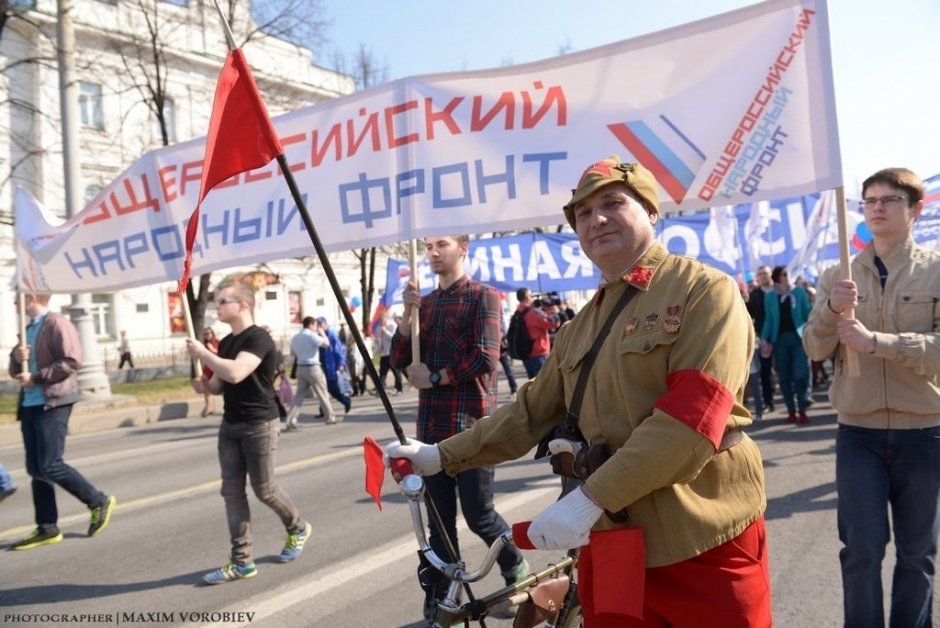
(338, 292)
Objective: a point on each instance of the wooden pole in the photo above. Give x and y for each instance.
(188, 315)
(845, 268)
(22, 302)
(415, 323)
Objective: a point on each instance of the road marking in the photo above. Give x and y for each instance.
(205, 487)
(300, 591)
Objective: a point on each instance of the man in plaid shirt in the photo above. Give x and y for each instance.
(456, 377)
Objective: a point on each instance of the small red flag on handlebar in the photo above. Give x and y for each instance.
(375, 469)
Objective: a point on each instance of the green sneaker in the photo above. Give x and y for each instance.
(101, 516)
(37, 538)
(295, 543)
(522, 572)
(230, 572)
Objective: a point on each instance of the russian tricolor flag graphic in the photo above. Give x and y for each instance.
(662, 148)
(932, 191)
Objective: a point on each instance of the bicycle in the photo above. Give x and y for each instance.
(450, 611)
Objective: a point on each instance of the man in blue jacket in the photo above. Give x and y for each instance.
(333, 359)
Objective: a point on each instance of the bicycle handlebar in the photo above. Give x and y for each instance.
(412, 487)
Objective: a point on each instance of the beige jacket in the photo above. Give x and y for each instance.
(680, 348)
(898, 386)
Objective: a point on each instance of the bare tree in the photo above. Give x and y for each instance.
(145, 59)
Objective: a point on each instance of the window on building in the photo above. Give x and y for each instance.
(169, 116)
(23, 4)
(89, 105)
(295, 307)
(102, 315)
(143, 308)
(179, 3)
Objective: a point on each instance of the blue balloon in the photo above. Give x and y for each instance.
(863, 233)
(356, 301)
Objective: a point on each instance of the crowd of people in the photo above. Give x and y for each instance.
(646, 421)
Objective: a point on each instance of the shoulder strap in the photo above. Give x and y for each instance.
(574, 410)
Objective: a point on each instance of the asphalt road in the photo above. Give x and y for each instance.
(358, 570)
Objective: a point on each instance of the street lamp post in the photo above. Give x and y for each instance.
(92, 381)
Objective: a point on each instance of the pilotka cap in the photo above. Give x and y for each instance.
(638, 179)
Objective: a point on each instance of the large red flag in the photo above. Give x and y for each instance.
(248, 141)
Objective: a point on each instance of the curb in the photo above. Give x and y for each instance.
(93, 417)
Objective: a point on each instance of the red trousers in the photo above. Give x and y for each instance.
(725, 587)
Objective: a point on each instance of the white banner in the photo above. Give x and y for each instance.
(732, 109)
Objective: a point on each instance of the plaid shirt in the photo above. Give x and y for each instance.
(460, 331)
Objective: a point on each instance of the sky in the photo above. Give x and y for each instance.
(886, 56)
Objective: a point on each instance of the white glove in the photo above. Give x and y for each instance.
(426, 459)
(566, 523)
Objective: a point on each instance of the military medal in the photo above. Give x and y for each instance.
(651, 321)
(630, 327)
(672, 322)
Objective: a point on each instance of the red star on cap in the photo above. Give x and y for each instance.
(601, 168)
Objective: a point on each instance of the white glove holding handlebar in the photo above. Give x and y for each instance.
(565, 524)
(426, 459)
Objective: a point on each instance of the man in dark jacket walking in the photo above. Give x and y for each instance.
(46, 366)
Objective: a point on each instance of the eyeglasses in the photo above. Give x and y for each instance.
(222, 302)
(889, 202)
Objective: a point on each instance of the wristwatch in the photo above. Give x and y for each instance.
(435, 378)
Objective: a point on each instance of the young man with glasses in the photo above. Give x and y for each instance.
(888, 442)
(243, 372)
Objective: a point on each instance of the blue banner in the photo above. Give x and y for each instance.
(733, 239)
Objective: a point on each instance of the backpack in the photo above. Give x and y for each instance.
(517, 336)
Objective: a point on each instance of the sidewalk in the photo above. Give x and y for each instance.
(119, 411)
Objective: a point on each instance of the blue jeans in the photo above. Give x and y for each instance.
(754, 387)
(875, 469)
(385, 365)
(44, 431)
(534, 365)
(767, 379)
(247, 449)
(475, 487)
(506, 361)
(6, 482)
(332, 387)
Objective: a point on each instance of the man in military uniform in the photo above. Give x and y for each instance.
(664, 400)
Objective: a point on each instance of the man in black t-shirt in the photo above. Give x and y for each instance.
(243, 373)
